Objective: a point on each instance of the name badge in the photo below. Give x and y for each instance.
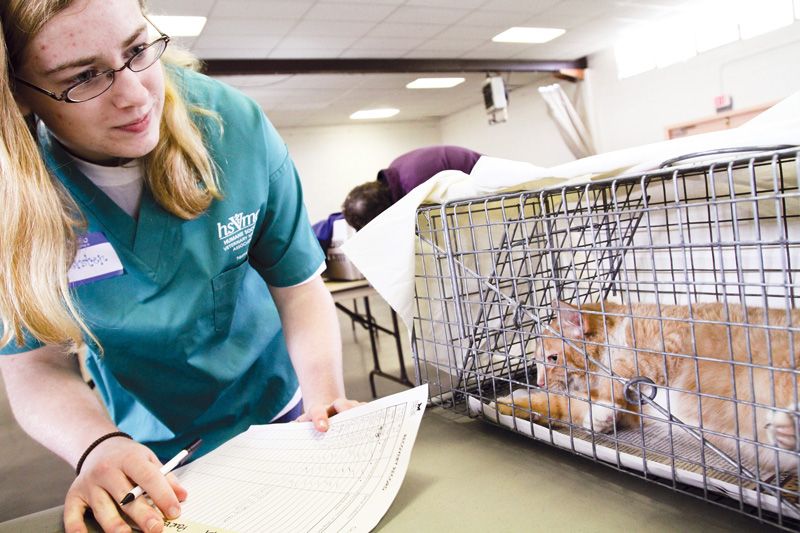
(95, 260)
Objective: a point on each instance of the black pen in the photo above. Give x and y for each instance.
(168, 467)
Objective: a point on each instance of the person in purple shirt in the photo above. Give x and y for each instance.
(370, 199)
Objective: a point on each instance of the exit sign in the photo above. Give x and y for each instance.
(723, 102)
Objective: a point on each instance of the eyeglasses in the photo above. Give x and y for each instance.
(99, 83)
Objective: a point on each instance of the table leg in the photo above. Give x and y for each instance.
(376, 364)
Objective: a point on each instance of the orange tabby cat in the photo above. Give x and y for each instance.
(695, 366)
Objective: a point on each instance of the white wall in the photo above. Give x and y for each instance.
(638, 110)
(333, 159)
(528, 135)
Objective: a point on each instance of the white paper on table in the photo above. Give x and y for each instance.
(384, 250)
(290, 477)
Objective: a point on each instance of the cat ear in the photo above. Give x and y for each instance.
(569, 317)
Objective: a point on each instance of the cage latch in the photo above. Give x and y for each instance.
(633, 389)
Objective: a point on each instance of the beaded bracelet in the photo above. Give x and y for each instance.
(93, 445)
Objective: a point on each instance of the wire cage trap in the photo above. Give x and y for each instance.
(651, 322)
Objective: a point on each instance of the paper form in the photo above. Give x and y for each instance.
(290, 477)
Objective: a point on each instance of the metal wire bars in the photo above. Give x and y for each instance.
(725, 233)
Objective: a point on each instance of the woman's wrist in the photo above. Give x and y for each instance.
(94, 445)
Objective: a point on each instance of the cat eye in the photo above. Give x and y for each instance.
(552, 358)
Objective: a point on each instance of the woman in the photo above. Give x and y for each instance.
(171, 239)
(368, 200)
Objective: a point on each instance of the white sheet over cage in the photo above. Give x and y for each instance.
(389, 265)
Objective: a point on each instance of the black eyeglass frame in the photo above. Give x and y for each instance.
(64, 96)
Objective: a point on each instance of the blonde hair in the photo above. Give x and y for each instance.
(179, 171)
(39, 219)
(36, 247)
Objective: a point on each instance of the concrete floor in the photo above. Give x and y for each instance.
(546, 482)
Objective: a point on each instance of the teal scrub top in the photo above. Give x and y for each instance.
(192, 341)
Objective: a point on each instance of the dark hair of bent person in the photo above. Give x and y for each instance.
(365, 202)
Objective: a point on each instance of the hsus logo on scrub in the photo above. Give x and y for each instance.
(238, 231)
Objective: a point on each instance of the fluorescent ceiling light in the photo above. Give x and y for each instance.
(520, 34)
(434, 83)
(366, 114)
(179, 26)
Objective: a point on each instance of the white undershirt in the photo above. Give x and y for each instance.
(123, 184)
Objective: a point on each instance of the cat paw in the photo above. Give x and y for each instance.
(503, 405)
(600, 419)
(782, 429)
(518, 404)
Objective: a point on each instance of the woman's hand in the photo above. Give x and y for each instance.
(109, 472)
(311, 330)
(321, 412)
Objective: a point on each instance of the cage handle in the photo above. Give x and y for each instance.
(633, 389)
(718, 151)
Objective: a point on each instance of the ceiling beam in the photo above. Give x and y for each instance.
(229, 67)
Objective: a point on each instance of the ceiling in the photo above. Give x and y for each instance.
(393, 29)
